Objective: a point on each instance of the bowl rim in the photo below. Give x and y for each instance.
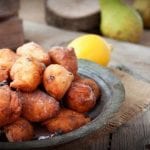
(97, 123)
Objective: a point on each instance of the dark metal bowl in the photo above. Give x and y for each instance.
(113, 94)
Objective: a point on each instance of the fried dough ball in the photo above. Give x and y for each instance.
(26, 74)
(92, 84)
(18, 131)
(10, 105)
(80, 97)
(66, 121)
(7, 59)
(57, 80)
(4, 74)
(35, 51)
(38, 106)
(65, 57)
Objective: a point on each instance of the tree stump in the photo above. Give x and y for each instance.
(73, 14)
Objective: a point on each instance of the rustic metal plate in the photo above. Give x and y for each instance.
(113, 94)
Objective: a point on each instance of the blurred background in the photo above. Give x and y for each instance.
(108, 18)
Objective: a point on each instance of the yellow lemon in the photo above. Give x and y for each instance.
(92, 47)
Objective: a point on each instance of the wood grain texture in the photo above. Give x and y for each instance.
(132, 58)
(134, 135)
(73, 14)
(11, 33)
(137, 100)
(87, 144)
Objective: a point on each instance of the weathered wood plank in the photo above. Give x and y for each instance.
(134, 135)
(11, 33)
(102, 143)
(132, 58)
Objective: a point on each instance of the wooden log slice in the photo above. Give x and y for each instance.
(73, 14)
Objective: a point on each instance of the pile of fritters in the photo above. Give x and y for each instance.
(36, 86)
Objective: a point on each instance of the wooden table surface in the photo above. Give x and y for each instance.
(135, 134)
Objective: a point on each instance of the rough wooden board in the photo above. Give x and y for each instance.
(137, 100)
(101, 143)
(95, 144)
(132, 58)
(8, 8)
(73, 14)
(11, 33)
(139, 128)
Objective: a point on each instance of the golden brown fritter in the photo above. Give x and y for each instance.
(57, 80)
(35, 51)
(38, 106)
(7, 59)
(66, 121)
(95, 87)
(4, 74)
(26, 74)
(10, 105)
(65, 57)
(80, 97)
(20, 130)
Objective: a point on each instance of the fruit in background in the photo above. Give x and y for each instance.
(119, 21)
(92, 47)
(143, 6)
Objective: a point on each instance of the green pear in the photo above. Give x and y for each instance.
(143, 6)
(119, 21)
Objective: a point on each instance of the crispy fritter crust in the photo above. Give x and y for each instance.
(80, 97)
(10, 105)
(7, 59)
(38, 106)
(65, 57)
(57, 80)
(35, 51)
(20, 130)
(26, 74)
(66, 121)
(95, 87)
